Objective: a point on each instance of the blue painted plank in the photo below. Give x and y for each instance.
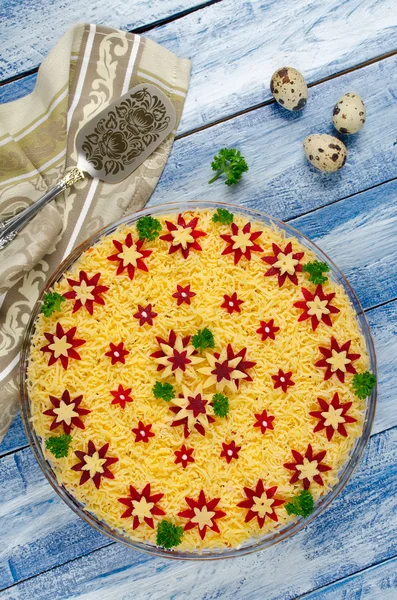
(362, 521)
(37, 522)
(15, 437)
(376, 583)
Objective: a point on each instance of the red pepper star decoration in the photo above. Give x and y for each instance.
(62, 345)
(183, 236)
(337, 360)
(130, 255)
(121, 396)
(284, 263)
(142, 432)
(142, 506)
(183, 294)
(261, 503)
(317, 307)
(94, 464)
(308, 467)
(117, 353)
(86, 292)
(66, 412)
(264, 421)
(241, 242)
(192, 409)
(267, 330)
(176, 356)
(230, 451)
(332, 416)
(232, 303)
(184, 456)
(227, 368)
(283, 380)
(145, 315)
(202, 514)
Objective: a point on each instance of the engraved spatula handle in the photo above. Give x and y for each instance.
(11, 227)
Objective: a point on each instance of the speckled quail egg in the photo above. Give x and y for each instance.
(325, 152)
(289, 88)
(349, 113)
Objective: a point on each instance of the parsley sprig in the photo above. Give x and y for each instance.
(51, 303)
(203, 339)
(316, 270)
(58, 445)
(302, 505)
(148, 228)
(223, 217)
(220, 404)
(165, 391)
(363, 384)
(168, 534)
(230, 162)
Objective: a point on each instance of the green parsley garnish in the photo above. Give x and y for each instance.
(363, 384)
(168, 534)
(302, 505)
(148, 228)
(230, 162)
(203, 339)
(58, 445)
(51, 303)
(220, 405)
(165, 391)
(316, 270)
(223, 216)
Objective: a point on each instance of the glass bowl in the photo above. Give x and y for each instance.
(252, 545)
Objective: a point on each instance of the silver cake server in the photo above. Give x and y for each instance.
(109, 147)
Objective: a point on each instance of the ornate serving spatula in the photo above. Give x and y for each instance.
(109, 147)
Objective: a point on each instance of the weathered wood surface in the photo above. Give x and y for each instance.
(310, 559)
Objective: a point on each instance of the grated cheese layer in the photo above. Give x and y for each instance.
(211, 276)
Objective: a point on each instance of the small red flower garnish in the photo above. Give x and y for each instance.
(317, 307)
(183, 294)
(230, 451)
(307, 468)
(284, 263)
(332, 416)
(283, 380)
(177, 356)
(94, 464)
(142, 432)
(121, 396)
(62, 345)
(183, 236)
(193, 410)
(241, 242)
(264, 421)
(117, 353)
(86, 292)
(184, 456)
(202, 514)
(267, 330)
(130, 255)
(142, 506)
(145, 315)
(66, 412)
(261, 503)
(227, 368)
(337, 360)
(232, 303)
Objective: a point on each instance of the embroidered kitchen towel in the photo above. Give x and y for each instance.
(90, 67)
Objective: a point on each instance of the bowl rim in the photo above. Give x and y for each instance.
(258, 543)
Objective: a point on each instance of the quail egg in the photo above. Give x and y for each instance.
(325, 152)
(289, 88)
(349, 113)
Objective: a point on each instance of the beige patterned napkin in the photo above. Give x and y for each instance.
(89, 68)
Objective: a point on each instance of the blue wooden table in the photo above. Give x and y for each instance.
(350, 552)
